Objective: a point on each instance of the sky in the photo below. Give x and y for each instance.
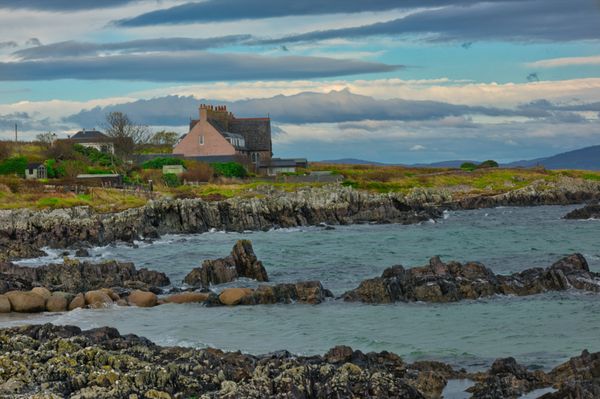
(396, 81)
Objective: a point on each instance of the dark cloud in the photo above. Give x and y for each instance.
(307, 107)
(523, 21)
(533, 77)
(61, 5)
(75, 49)
(187, 67)
(9, 44)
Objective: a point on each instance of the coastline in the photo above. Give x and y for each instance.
(23, 232)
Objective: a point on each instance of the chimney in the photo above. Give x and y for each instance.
(203, 113)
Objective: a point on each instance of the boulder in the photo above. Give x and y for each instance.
(97, 299)
(110, 293)
(77, 302)
(591, 211)
(187, 297)
(57, 303)
(41, 291)
(233, 296)
(5, 306)
(142, 299)
(26, 302)
(82, 253)
(241, 263)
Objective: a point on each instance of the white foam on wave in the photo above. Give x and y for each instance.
(52, 256)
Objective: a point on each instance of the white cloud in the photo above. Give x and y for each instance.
(417, 147)
(565, 62)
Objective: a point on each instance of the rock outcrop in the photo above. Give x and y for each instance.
(241, 263)
(24, 231)
(451, 282)
(75, 276)
(591, 211)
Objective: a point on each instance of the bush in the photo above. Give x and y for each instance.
(350, 183)
(14, 165)
(229, 169)
(171, 180)
(488, 164)
(96, 171)
(470, 166)
(70, 168)
(158, 163)
(51, 168)
(95, 156)
(198, 171)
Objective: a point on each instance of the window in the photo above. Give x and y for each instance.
(201, 140)
(255, 156)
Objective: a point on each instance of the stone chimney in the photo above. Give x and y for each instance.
(203, 112)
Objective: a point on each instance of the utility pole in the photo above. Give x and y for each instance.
(16, 134)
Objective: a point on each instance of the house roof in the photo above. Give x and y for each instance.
(34, 165)
(255, 131)
(88, 134)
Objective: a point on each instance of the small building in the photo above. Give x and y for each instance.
(36, 171)
(94, 139)
(277, 166)
(219, 133)
(173, 169)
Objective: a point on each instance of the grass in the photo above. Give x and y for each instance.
(100, 199)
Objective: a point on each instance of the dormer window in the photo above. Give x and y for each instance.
(201, 140)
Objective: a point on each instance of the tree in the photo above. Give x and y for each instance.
(126, 134)
(164, 138)
(488, 164)
(6, 149)
(470, 166)
(46, 139)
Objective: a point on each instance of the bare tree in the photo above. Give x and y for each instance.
(164, 138)
(126, 134)
(46, 139)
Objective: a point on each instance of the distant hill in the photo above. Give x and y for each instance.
(585, 158)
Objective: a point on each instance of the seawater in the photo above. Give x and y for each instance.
(539, 331)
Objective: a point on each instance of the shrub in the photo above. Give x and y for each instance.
(470, 166)
(171, 180)
(229, 169)
(95, 156)
(51, 168)
(14, 165)
(96, 171)
(488, 164)
(6, 149)
(158, 163)
(350, 183)
(198, 171)
(70, 168)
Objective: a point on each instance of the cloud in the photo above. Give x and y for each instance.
(9, 44)
(75, 49)
(308, 107)
(34, 41)
(61, 5)
(417, 147)
(565, 62)
(533, 77)
(187, 67)
(233, 10)
(521, 21)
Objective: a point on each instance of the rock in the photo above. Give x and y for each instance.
(9, 282)
(142, 299)
(57, 303)
(241, 263)
(97, 299)
(440, 282)
(110, 293)
(67, 362)
(591, 211)
(334, 204)
(311, 292)
(233, 296)
(41, 291)
(82, 253)
(77, 302)
(5, 306)
(26, 301)
(75, 276)
(186, 297)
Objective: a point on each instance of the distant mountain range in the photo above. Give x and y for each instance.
(587, 158)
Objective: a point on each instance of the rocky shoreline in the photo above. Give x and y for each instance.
(48, 361)
(23, 232)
